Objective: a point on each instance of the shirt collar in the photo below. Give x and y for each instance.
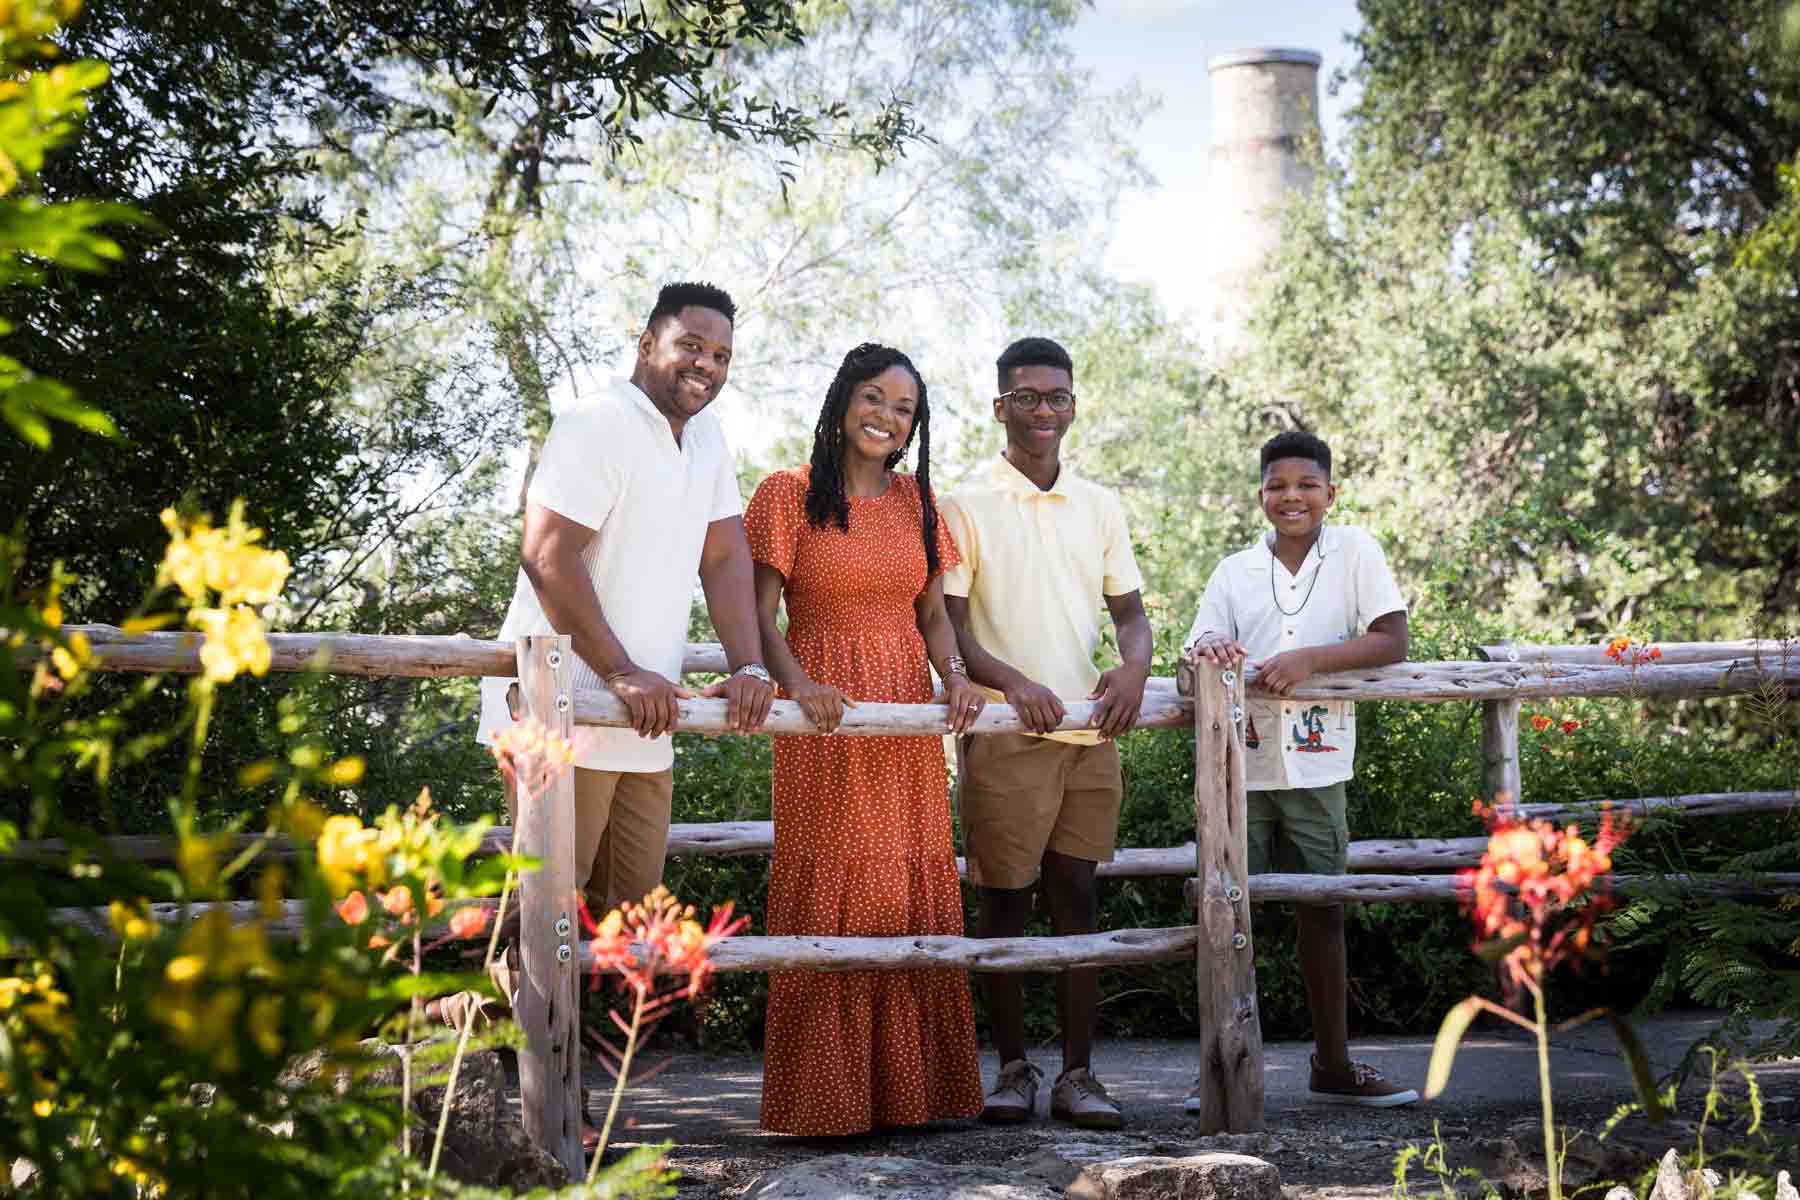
(1327, 544)
(1009, 478)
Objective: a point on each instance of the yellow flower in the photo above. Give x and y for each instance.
(184, 969)
(11, 988)
(235, 643)
(303, 819)
(349, 853)
(255, 774)
(42, 1109)
(345, 771)
(270, 886)
(69, 659)
(53, 613)
(131, 921)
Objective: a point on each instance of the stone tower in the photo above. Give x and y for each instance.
(1265, 107)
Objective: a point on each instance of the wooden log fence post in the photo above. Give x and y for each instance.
(1500, 751)
(1231, 1050)
(547, 1008)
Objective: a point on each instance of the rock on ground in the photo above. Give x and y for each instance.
(482, 1142)
(848, 1177)
(1044, 1175)
(1214, 1176)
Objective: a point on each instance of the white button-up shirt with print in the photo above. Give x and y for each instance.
(1343, 585)
(611, 463)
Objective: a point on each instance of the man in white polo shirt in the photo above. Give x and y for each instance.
(634, 496)
(1307, 598)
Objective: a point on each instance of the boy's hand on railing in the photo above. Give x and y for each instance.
(652, 700)
(823, 704)
(747, 701)
(1038, 707)
(1121, 696)
(964, 702)
(1286, 671)
(1219, 650)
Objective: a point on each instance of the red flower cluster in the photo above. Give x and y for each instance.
(1540, 722)
(640, 942)
(1538, 891)
(1628, 653)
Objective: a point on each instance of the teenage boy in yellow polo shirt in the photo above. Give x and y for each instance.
(1042, 550)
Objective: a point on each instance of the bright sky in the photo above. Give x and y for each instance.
(1165, 45)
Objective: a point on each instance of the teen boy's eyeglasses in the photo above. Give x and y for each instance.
(1026, 401)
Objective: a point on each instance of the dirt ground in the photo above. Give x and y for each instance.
(707, 1105)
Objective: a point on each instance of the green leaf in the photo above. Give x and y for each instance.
(1443, 1051)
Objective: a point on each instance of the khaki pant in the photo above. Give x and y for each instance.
(621, 834)
(621, 842)
(1021, 795)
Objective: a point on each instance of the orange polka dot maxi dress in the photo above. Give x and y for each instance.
(862, 832)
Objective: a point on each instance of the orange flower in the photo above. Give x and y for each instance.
(354, 908)
(468, 921)
(1624, 651)
(397, 900)
(1540, 722)
(659, 936)
(1570, 726)
(1538, 891)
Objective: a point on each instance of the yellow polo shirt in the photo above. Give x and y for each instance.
(1036, 568)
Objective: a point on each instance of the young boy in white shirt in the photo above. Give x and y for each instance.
(1306, 599)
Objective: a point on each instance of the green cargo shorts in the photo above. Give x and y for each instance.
(1298, 831)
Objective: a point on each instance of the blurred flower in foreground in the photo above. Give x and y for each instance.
(204, 562)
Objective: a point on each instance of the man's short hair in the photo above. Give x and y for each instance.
(1296, 443)
(677, 296)
(1032, 352)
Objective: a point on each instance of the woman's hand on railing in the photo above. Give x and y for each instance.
(964, 702)
(823, 704)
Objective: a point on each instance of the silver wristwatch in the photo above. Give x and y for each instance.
(756, 671)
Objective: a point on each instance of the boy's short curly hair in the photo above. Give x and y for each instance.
(1296, 443)
(1032, 352)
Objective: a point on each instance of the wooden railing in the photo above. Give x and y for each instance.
(1218, 885)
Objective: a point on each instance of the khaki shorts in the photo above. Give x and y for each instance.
(1298, 831)
(1020, 796)
(621, 834)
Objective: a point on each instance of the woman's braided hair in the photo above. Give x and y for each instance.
(826, 503)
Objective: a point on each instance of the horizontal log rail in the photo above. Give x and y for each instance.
(1119, 947)
(1670, 653)
(1528, 678)
(727, 839)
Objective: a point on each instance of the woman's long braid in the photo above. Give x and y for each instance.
(826, 501)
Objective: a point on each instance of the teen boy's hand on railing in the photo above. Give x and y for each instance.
(1286, 671)
(1038, 707)
(651, 700)
(823, 704)
(1121, 695)
(1217, 649)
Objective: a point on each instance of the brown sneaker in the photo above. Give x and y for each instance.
(1014, 1097)
(1361, 1084)
(1079, 1099)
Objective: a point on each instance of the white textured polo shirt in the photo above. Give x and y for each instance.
(1036, 568)
(1343, 585)
(612, 464)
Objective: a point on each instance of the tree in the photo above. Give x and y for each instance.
(1515, 308)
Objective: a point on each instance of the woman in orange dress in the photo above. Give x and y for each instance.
(862, 824)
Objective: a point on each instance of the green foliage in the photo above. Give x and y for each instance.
(1517, 291)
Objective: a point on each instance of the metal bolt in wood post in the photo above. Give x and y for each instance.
(547, 1009)
(1231, 1049)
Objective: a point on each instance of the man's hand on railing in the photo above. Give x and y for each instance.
(1038, 707)
(652, 700)
(747, 701)
(1121, 696)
